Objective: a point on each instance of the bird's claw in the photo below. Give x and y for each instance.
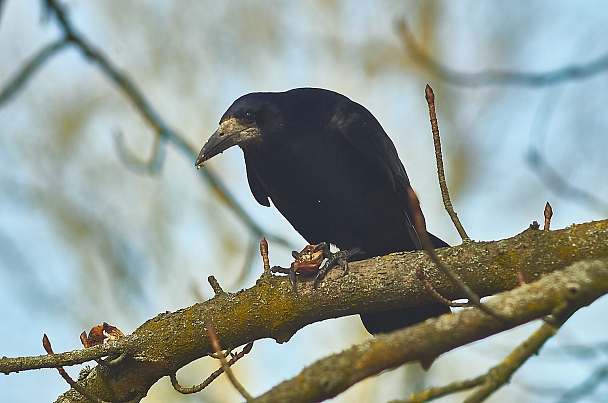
(339, 258)
(308, 262)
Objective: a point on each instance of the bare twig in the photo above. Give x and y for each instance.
(445, 194)
(218, 350)
(210, 378)
(431, 290)
(500, 375)
(46, 343)
(217, 288)
(497, 376)
(215, 343)
(548, 214)
(264, 253)
(521, 278)
(439, 391)
(420, 227)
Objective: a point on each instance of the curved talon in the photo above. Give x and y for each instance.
(340, 258)
(308, 262)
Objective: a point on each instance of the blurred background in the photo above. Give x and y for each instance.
(89, 233)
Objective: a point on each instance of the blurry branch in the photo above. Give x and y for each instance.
(586, 388)
(558, 76)
(138, 165)
(270, 309)
(577, 286)
(163, 131)
(598, 377)
(559, 185)
(21, 78)
(539, 164)
(535, 158)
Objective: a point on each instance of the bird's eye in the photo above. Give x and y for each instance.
(249, 117)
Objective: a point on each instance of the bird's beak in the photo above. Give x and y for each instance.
(229, 133)
(217, 143)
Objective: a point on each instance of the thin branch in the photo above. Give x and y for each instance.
(440, 391)
(497, 376)
(16, 83)
(210, 378)
(225, 365)
(46, 343)
(445, 194)
(17, 364)
(429, 288)
(423, 235)
(501, 374)
(548, 213)
(264, 253)
(554, 77)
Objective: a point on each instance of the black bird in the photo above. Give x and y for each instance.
(332, 171)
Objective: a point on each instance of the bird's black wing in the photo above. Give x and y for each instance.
(258, 191)
(365, 134)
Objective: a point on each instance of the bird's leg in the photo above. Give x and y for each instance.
(291, 271)
(340, 258)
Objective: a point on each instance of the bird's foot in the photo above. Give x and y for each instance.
(339, 258)
(306, 262)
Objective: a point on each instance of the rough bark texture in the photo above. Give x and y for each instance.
(271, 309)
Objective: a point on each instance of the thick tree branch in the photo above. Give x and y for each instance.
(577, 286)
(271, 310)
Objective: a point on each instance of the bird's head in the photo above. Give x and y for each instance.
(243, 123)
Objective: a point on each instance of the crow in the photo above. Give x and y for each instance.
(331, 170)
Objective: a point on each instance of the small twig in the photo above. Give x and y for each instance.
(431, 290)
(217, 288)
(264, 253)
(521, 278)
(46, 343)
(499, 375)
(445, 194)
(420, 228)
(215, 343)
(548, 214)
(439, 391)
(17, 82)
(210, 378)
